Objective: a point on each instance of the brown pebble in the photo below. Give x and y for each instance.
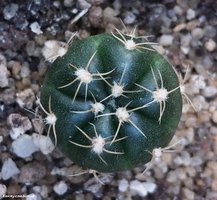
(32, 172)
(95, 16)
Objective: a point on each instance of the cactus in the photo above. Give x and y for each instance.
(110, 100)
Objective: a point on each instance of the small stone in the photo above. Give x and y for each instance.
(43, 142)
(179, 27)
(110, 16)
(60, 188)
(73, 170)
(123, 185)
(188, 194)
(18, 124)
(150, 187)
(10, 11)
(190, 14)
(210, 45)
(3, 190)
(166, 40)
(197, 33)
(137, 188)
(196, 161)
(210, 91)
(129, 18)
(35, 28)
(25, 98)
(210, 31)
(93, 186)
(95, 16)
(32, 172)
(214, 116)
(9, 169)
(83, 4)
(52, 49)
(24, 146)
(3, 75)
(68, 3)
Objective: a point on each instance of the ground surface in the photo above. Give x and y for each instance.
(186, 32)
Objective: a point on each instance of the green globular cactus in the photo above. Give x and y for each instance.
(110, 101)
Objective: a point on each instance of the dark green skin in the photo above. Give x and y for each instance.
(111, 54)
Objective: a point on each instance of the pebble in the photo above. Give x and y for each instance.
(210, 31)
(129, 18)
(95, 16)
(150, 187)
(214, 116)
(93, 186)
(137, 188)
(73, 170)
(183, 159)
(110, 16)
(35, 28)
(10, 11)
(190, 14)
(68, 3)
(23, 146)
(188, 194)
(18, 124)
(32, 172)
(83, 4)
(209, 91)
(3, 74)
(3, 190)
(52, 49)
(166, 40)
(9, 169)
(197, 33)
(25, 98)
(210, 45)
(123, 185)
(60, 188)
(43, 142)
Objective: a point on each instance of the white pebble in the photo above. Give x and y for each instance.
(137, 188)
(123, 185)
(43, 142)
(210, 91)
(35, 28)
(9, 169)
(3, 190)
(52, 49)
(10, 11)
(24, 146)
(60, 188)
(150, 187)
(210, 45)
(129, 18)
(166, 40)
(190, 14)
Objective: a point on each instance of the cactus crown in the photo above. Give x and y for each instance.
(110, 100)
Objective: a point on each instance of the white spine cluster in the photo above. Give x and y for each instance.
(50, 119)
(97, 143)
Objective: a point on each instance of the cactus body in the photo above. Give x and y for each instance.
(113, 99)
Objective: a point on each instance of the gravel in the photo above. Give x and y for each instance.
(9, 169)
(33, 33)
